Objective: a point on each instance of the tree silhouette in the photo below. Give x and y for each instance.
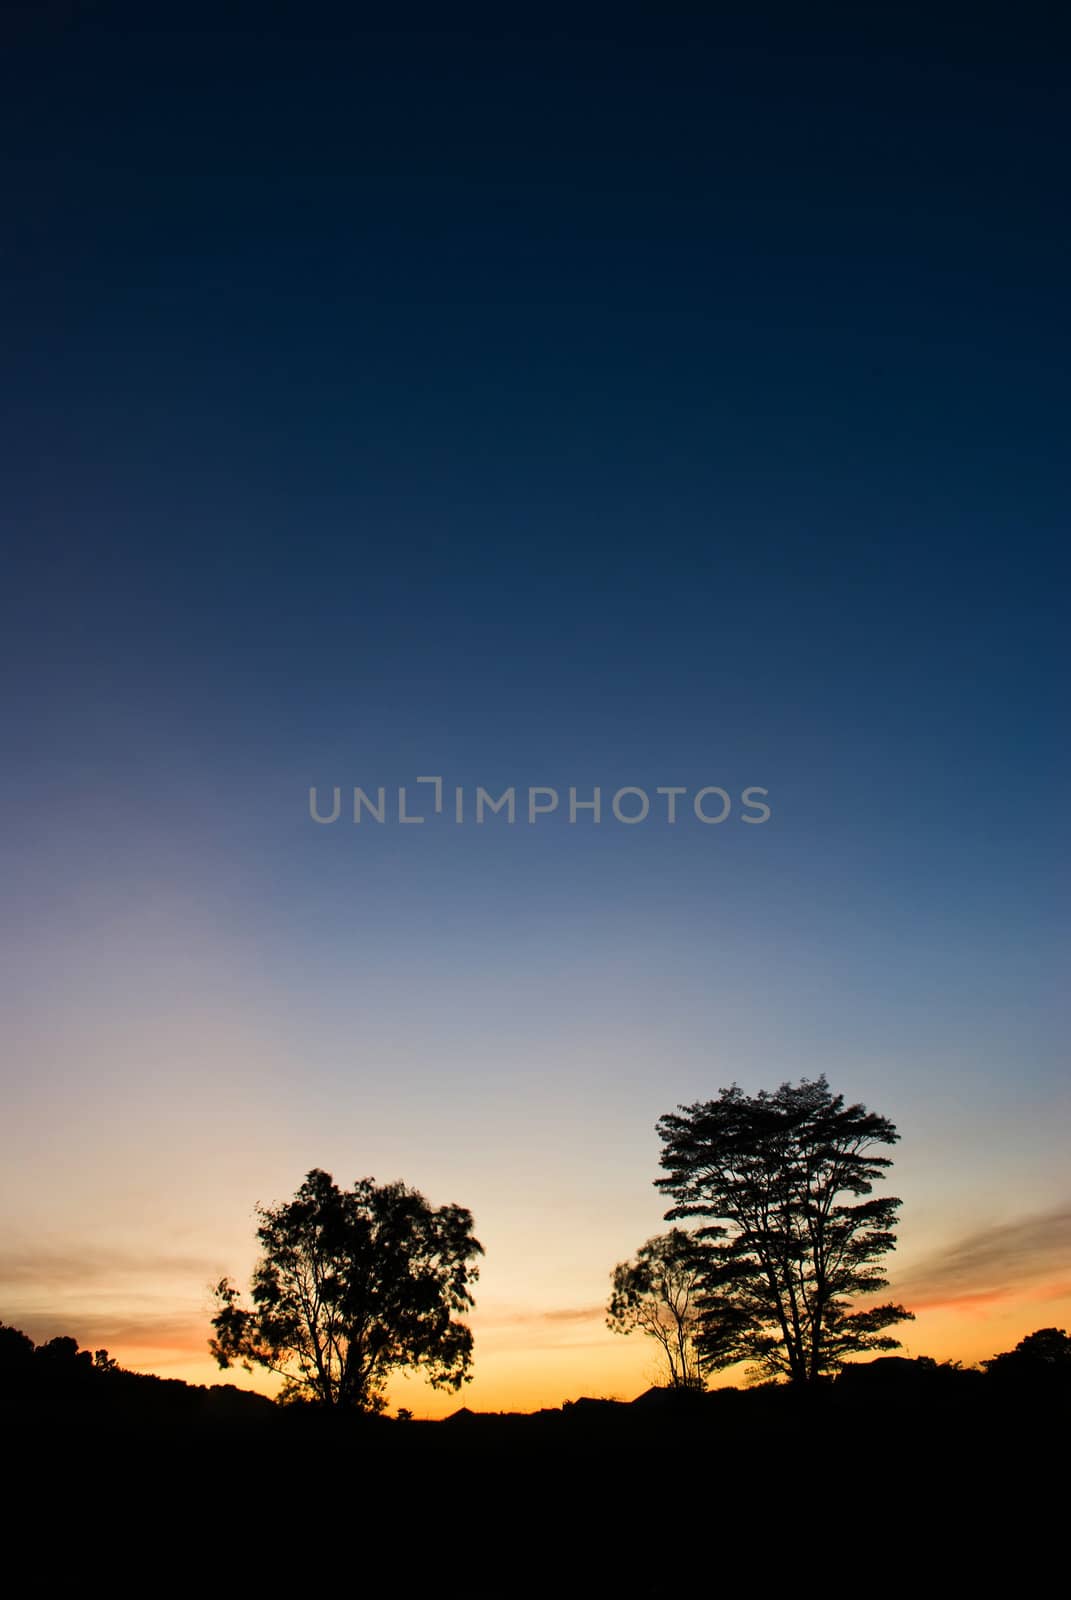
(656, 1293)
(16, 1351)
(352, 1285)
(1042, 1357)
(785, 1178)
(64, 1349)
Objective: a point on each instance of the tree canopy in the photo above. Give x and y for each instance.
(1044, 1356)
(353, 1285)
(791, 1235)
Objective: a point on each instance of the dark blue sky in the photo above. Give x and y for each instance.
(690, 395)
(680, 403)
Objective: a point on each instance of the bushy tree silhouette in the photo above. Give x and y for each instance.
(16, 1351)
(352, 1285)
(1042, 1357)
(793, 1237)
(656, 1293)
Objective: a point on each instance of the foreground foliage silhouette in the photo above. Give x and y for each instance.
(1000, 1421)
(352, 1286)
(793, 1237)
(57, 1383)
(1043, 1357)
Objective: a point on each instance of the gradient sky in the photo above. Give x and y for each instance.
(682, 406)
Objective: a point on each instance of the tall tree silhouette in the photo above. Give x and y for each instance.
(793, 1236)
(353, 1285)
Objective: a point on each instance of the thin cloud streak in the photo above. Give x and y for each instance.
(994, 1263)
(118, 1331)
(123, 1300)
(511, 1319)
(65, 1270)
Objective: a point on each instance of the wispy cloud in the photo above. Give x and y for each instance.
(93, 1268)
(994, 1263)
(534, 1315)
(120, 1331)
(125, 1300)
(573, 1314)
(537, 1328)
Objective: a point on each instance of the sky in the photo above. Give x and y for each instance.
(673, 402)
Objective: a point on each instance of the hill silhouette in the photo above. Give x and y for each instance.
(57, 1389)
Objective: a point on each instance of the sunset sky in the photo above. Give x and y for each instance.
(679, 408)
